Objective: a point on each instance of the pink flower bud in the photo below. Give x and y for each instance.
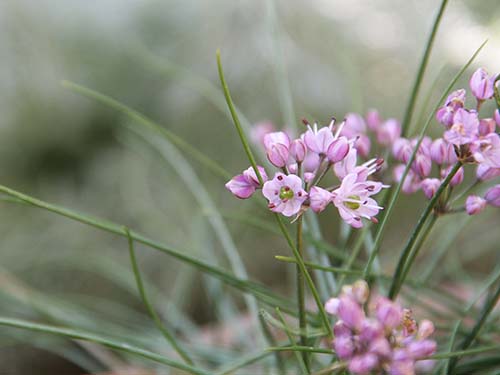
(240, 187)
(474, 204)
(311, 162)
(319, 198)
(350, 312)
(344, 346)
(363, 364)
(276, 137)
(259, 130)
(332, 306)
(341, 329)
(429, 186)
(444, 115)
(496, 116)
(373, 119)
(486, 126)
(492, 196)
(402, 149)
(278, 155)
(439, 151)
(298, 150)
(485, 172)
(363, 145)
(481, 84)
(389, 132)
(412, 182)
(425, 329)
(381, 347)
(370, 330)
(360, 291)
(422, 164)
(422, 348)
(249, 173)
(338, 150)
(389, 313)
(457, 179)
(456, 99)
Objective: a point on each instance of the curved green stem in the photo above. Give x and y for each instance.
(142, 292)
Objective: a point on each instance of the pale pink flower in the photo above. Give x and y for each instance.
(285, 194)
(319, 198)
(464, 129)
(475, 204)
(481, 84)
(244, 185)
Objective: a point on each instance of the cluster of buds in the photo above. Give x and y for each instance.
(303, 162)
(385, 340)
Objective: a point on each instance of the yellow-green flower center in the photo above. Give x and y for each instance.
(353, 205)
(286, 193)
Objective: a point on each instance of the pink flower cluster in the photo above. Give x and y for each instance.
(386, 341)
(303, 162)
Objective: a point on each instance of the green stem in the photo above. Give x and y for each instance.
(110, 343)
(300, 359)
(301, 301)
(399, 274)
(421, 70)
(393, 194)
(142, 292)
(297, 348)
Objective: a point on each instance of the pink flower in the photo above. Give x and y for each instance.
(355, 128)
(492, 196)
(338, 150)
(298, 150)
(353, 202)
(457, 179)
(244, 185)
(402, 149)
(487, 150)
(319, 198)
(464, 129)
(496, 116)
(474, 204)
(318, 141)
(388, 132)
(373, 119)
(277, 146)
(285, 194)
(481, 84)
(486, 126)
(455, 100)
(412, 181)
(429, 186)
(485, 173)
(389, 313)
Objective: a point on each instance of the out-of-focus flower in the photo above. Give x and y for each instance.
(474, 204)
(429, 186)
(492, 196)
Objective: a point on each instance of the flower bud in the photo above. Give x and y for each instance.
(429, 186)
(259, 131)
(363, 145)
(474, 204)
(444, 115)
(350, 312)
(276, 137)
(344, 346)
(363, 364)
(389, 132)
(485, 172)
(373, 119)
(388, 313)
(422, 164)
(402, 149)
(457, 179)
(492, 196)
(481, 84)
(425, 329)
(278, 155)
(298, 150)
(496, 116)
(338, 150)
(319, 198)
(360, 291)
(423, 348)
(341, 329)
(249, 173)
(439, 151)
(332, 306)
(381, 347)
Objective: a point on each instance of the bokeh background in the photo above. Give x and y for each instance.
(283, 60)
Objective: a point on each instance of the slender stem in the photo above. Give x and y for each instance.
(271, 341)
(421, 70)
(301, 301)
(142, 292)
(393, 194)
(487, 309)
(297, 348)
(399, 274)
(110, 343)
(300, 359)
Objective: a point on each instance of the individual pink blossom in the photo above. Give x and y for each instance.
(285, 194)
(355, 128)
(457, 179)
(353, 202)
(455, 100)
(422, 164)
(439, 151)
(430, 186)
(412, 181)
(298, 150)
(318, 141)
(481, 84)
(492, 196)
(347, 165)
(485, 173)
(373, 119)
(389, 313)
(486, 126)
(244, 185)
(464, 129)
(388, 132)
(474, 204)
(319, 198)
(277, 146)
(338, 150)
(402, 150)
(486, 150)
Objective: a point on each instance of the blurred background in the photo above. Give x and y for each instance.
(316, 58)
